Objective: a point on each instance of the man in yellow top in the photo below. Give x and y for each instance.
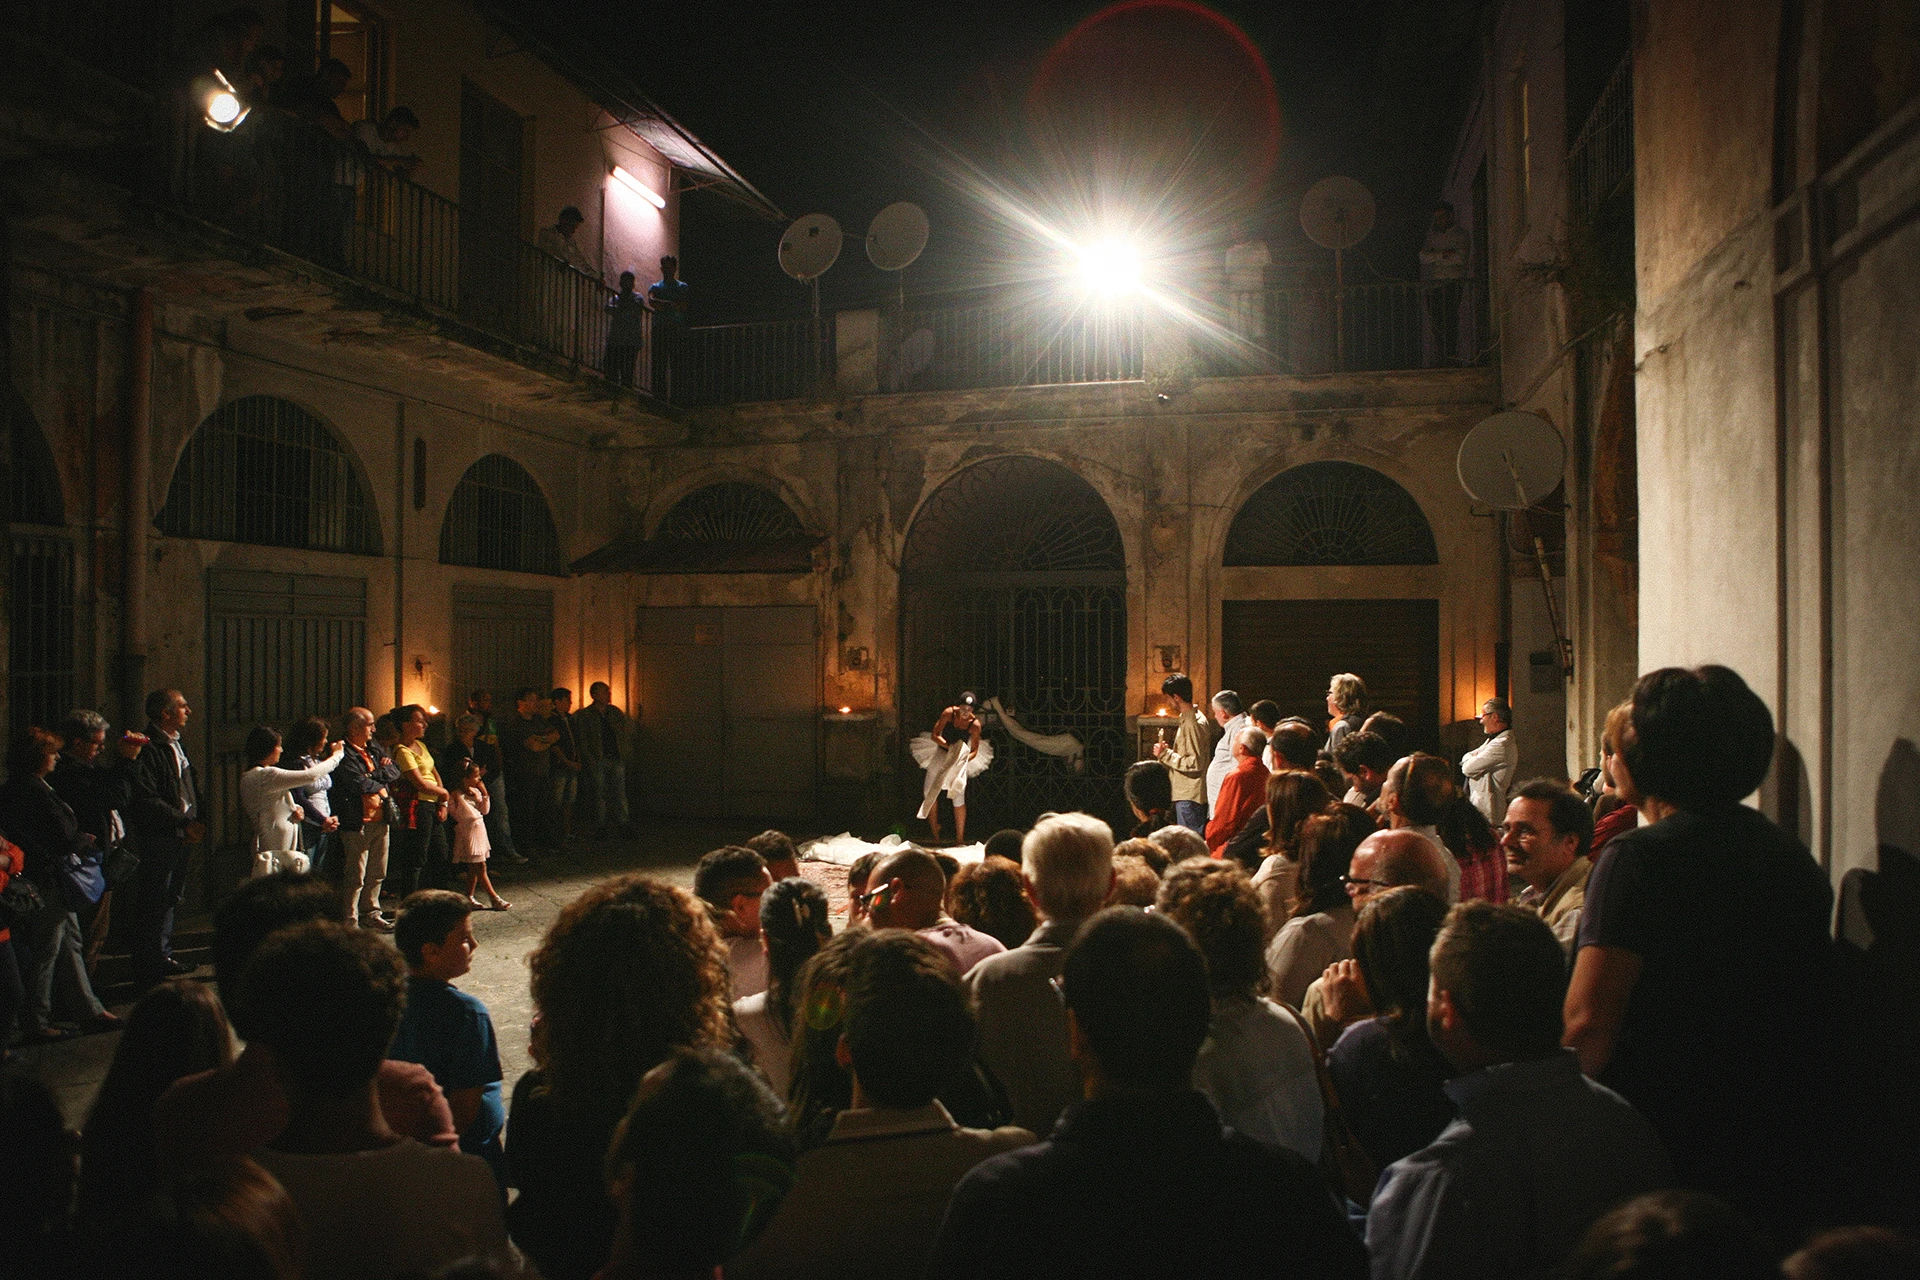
(1188, 755)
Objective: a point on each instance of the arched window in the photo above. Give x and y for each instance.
(729, 512)
(36, 484)
(1010, 515)
(499, 519)
(1330, 513)
(265, 471)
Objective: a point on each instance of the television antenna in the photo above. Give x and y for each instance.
(1509, 462)
(1337, 214)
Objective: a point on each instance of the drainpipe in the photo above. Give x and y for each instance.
(399, 551)
(136, 516)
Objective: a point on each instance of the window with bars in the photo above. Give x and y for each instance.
(1014, 514)
(499, 519)
(1330, 513)
(40, 641)
(264, 470)
(729, 512)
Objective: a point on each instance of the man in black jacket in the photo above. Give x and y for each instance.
(363, 787)
(98, 786)
(166, 827)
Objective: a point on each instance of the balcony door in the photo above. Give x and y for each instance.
(492, 150)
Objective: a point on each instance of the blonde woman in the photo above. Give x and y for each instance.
(1346, 704)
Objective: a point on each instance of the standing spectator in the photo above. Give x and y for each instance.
(99, 790)
(266, 798)
(467, 809)
(332, 164)
(13, 992)
(990, 896)
(486, 749)
(526, 746)
(1418, 792)
(1241, 791)
(1549, 831)
(1110, 1192)
(1391, 729)
(559, 240)
(365, 782)
(1490, 767)
(446, 1030)
(466, 747)
(600, 731)
(420, 855)
(175, 1030)
(1613, 815)
(1265, 716)
(670, 299)
(1704, 934)
(386, 140)
(1148, 785)
(907, 890)
(166, 827)
(566, 761)
(326, 1000)
(1292, 798)
(629, 970)
(1257, 1066)
(626, 332)
(794, 925)
(1346, 704)
(1475, 845)
(1443, 274)
(1535, 1141)
(60, 861)
(895, 1153)
(1188, 755)
(1385, 1069)
(318, 823)
(1227, 713)
(1318, 930)
(731, 881)
(1364, 758)
(698, 1167)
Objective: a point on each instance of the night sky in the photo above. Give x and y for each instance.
(1154, 116)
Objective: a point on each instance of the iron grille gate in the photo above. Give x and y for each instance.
(280, 647)
(502, 641)
(40, 671)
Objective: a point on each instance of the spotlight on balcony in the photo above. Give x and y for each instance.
(220, 105)
(1110, 267)
(640, 188)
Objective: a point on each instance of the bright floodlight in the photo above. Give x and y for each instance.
(221, 104)
(1110, 267)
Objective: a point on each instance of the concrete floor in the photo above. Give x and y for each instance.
(74, 1068)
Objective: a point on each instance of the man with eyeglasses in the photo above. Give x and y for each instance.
(1548, 833)
(1384, 860)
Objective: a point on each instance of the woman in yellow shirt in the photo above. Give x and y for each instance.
(421, 843)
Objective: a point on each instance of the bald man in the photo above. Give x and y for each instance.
(907, 890)
(1416, 794)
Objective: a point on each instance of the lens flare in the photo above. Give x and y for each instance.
(1111, 267)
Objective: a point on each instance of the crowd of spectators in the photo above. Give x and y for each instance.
(1344, 1057)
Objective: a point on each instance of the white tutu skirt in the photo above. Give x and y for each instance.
(948, 768)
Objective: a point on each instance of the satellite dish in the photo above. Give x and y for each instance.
(810, 246)
(897, 236)
(1511, 460)
(1337, 213)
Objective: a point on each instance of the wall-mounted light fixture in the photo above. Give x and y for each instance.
(639, 188)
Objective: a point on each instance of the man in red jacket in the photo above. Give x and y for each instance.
(1243, 790)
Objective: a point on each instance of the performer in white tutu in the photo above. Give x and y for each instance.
(951, 754)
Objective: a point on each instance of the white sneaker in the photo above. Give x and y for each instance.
(378, 922)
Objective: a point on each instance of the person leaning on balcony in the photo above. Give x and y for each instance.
(626, 331)
(558, 240)
(386, 140)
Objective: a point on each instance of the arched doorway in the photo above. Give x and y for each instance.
(1013, 583)
(1309, 624)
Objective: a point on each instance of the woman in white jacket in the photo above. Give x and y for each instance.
(267, 801)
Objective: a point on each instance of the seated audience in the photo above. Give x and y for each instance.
(907, 891)
(697, 1168)
(857, 876)
(36, 1213)
(776, 849)
(1855, 1253)
(1292, 798)
(1711, 897)
(1613, 815)
(1241, 791)
(1475, 845)
(989, 895)
(1004, 843)
(1134, 881)
(234, 1222)
(1383, 861)
(1535, 1141)
(895, 1154)
(324, 1002)
(730, 881)
(1293, 744)
(234, 1109)
(1176, 847)
(1149, 791)
(1113, 1192)
(793, 925)
(1257, 1065)
(629, 971)
(1672, 1235)
(1418, 791)
(1319, 925)
(1067, 860)
(820, 1086)
(177, 1029)
(1392, 730)
(1548, 833)
(1385, 1069)
(1364, 760)
(446, 1030)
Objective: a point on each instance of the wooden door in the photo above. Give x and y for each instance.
(1287, 650)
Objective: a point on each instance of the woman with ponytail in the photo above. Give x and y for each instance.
(794, 924)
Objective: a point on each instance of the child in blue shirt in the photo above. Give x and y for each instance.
(444, 1029)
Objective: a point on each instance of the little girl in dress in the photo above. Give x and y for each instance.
(467, 806)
